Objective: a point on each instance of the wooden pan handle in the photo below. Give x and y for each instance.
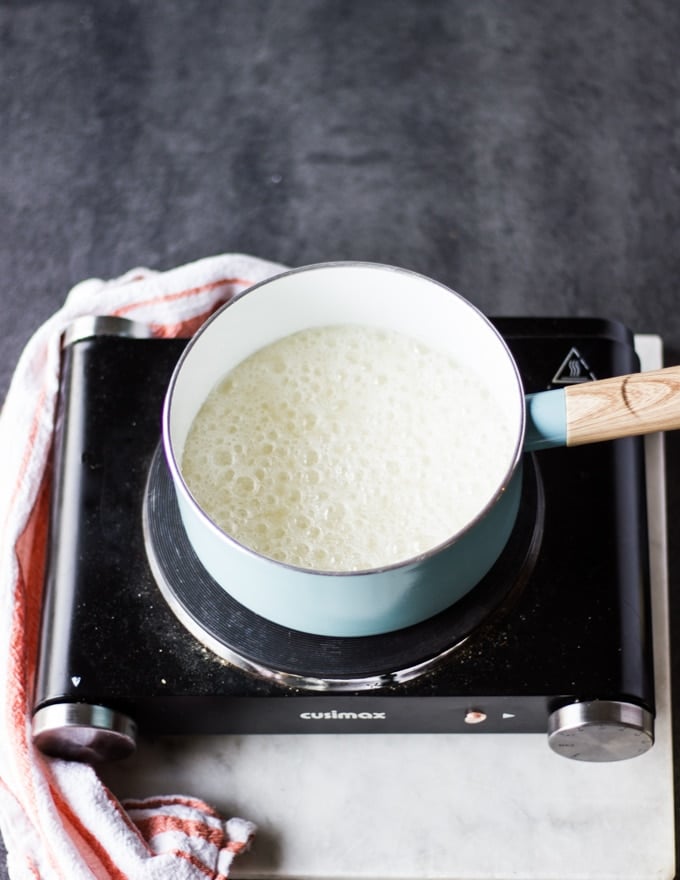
(641, 403)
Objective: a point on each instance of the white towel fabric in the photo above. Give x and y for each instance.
(57, 819)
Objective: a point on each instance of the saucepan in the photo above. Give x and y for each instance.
(493, 421)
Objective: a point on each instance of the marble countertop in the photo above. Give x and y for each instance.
(425, 807)
(524, 154)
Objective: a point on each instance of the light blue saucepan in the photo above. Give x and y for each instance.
(360, 603)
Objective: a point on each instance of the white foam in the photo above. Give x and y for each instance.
(346, 448)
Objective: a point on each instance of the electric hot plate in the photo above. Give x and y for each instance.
(137, 639)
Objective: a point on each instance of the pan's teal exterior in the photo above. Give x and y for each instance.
(355, 603)
(351, 603)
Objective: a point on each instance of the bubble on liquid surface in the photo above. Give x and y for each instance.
(346, 448)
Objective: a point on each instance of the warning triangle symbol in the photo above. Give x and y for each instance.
(573, 370)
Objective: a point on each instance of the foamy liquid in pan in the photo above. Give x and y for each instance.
(345, 448)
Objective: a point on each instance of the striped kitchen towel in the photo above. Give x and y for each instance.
(57, 818)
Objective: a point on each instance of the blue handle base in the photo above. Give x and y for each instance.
(546, 423)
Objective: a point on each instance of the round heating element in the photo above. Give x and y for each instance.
(303, 660)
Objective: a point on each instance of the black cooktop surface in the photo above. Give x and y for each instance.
(563, 616)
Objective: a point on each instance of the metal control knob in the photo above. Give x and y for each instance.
(83, 732)
(601, 730)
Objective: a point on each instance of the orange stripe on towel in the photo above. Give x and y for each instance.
(181, 294)
(155, 803)
(31, 552)
(97, 857)
(162, 823)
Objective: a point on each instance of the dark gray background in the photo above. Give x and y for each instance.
(527, 153)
